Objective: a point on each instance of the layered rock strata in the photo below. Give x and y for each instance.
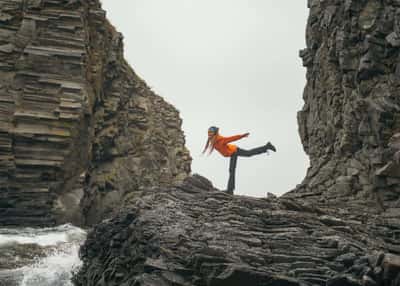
(77, 126)
(196, 235)
(341, 226)
(81, 136)
(352, 105)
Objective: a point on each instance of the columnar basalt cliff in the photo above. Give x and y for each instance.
(340, 227)
(352, 105)
(77, 126)
(82, 139)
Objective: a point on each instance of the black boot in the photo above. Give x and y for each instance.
(270, 147)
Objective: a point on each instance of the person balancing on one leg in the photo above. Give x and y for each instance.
(220, 143)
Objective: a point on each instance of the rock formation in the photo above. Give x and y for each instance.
(341, 226)
(77, 126)
(195, 235)
(83, 139)
(352, 105)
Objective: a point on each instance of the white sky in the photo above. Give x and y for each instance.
(229, 63)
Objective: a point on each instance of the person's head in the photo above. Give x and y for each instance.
(212, 131)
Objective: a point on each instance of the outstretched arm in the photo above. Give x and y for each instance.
(234, 138)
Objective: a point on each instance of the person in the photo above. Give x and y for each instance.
(217, 142)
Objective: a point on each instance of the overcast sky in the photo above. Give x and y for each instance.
(229, 63)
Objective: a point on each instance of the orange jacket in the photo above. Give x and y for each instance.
(222, 146)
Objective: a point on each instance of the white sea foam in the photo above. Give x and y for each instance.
(62, 259)
(41, 236)
(56, 269)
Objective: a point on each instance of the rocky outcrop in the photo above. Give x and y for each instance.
(352, 105)
(194, 234)
(341, 226)
(77, 126)
(137, 137)
(83, 138)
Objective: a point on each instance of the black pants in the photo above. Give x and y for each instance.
(233, 161)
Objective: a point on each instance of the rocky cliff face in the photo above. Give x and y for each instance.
(81, 136)
(78, 129)
(352, 104)
(340, 227)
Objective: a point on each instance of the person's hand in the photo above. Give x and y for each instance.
(246, 134)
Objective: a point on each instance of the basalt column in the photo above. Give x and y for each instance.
(76, 124)
(44, 107)
(352, 105)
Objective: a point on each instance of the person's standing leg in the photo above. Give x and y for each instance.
(232, 170)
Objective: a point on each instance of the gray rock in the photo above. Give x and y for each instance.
(71, 105)
(351, 112)
(177, 236)
(84, 139)
(368, 281)
(393, 39)
(391, 267)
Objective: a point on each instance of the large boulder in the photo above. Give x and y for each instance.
(193, 234)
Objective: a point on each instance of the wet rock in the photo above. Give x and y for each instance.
(347, 259)
(391, 267)
(343, 280)
(393, 39)
(368, 281)
(17, 255)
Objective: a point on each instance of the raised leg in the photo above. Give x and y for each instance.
(252, 152)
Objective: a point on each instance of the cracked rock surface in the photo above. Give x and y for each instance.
(340, 227)
(193, 234)
(352, 105)
(84, 140)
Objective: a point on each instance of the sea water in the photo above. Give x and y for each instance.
(57, 265)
